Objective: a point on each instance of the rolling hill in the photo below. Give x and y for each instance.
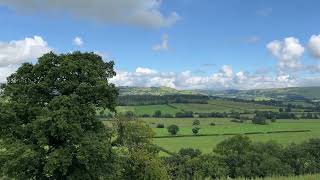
(291, 93)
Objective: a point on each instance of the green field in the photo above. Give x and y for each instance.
(148, 109)
(212, 106)
(224, 126)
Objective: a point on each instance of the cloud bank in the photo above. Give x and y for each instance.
(144, 13)
(13, 53)
(224, 78)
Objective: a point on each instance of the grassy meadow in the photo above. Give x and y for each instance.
(223, 127)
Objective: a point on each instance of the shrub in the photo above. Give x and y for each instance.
(196, 122)
(195, 130)
(173, 129)
(273, 120)
(145, 115)
(188, 114)
(160, 125)
(168, 116)
(157, 114)
(189, 152)
(259, 120)
(212, 124)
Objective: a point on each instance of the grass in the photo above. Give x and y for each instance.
(218, 105)
(148, 109)
(224, 126)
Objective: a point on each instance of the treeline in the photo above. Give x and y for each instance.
(240, 157)
(132, 100)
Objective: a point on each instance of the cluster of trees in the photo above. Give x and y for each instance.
(310, 116)
(131, 100)
(213, 115)
(276, 115)
(240, 157)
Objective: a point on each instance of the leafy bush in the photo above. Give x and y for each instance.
(173, 129)
(157, 114)
(195, 130)
(188, 114)
(259, 120)
(168, 116)
(212, 124)
(196, 122)
(145, 115)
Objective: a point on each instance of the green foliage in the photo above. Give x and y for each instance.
(196, 122)
(173, 129)
(157, 114)
(49, 128)
(195, 130)
(259, 120)
(138, 156)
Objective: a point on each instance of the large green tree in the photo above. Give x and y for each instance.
(49, 128)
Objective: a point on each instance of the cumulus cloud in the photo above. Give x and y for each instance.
(288, 52)
(77, 41)
(17, 52)
(314, 45)
(163, 46)
(225, 78)
(6, 71)
(133, 12)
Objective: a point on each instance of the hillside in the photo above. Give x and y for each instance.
(291, 93)
(124, 90)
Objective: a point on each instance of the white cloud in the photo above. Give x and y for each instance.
(77, 41)
(6, 71)
(145, 71)
(288, 53)
(133, 12)
(163, 46)
(314, 45)
(17, 52)
(224, 78)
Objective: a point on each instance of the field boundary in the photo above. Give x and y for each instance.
(232, 134)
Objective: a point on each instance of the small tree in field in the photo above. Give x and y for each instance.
(157, 114)
(173, 129)
(195, 130)
(196, 122)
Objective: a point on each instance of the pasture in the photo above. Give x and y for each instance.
(215, 105)
(209, 135)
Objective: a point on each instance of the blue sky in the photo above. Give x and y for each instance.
(184, 44)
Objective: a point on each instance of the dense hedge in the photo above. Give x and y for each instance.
(240, 157)
(129, 100)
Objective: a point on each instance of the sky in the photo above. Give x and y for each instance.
(182, 44)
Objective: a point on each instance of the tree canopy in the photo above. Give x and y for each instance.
(49, 128)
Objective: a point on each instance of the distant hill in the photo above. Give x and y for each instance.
(291, 93)
(157, 91)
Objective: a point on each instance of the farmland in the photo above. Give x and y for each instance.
(212, 106)
(222, 129)
(209, 136)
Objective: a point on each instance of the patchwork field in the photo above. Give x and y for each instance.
(212, 106)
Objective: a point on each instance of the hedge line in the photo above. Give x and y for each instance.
(229, 134)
